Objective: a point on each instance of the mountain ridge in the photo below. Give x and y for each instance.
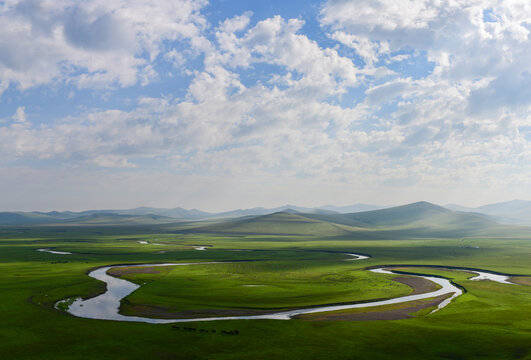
(511, 212)
(516, 212)
(416, 220)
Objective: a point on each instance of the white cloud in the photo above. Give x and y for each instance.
(369, 50)
(322, 71)
(460, 123)
(20, 114)
(236, 24)
(91, 43)
(465, 40)
(112, 161)
(387, 15)
(476, 93)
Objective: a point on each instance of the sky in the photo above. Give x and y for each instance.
(227, 104)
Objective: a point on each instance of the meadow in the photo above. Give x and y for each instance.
(489, 321)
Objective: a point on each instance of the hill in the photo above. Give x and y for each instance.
(515, 211)
(19, 218)
(421, 219)
(352, 208)
(117, 219)
(511, 212)
(417, 220)
(175, 213)
(54, 218)
(280, 223)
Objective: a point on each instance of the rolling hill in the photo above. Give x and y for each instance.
(515, 211)
(420, 219)
(511, 212)
(177, 214)
(352, 208)
(417, 220)
(419, 213)
(103, 218)
(117, 219)
(21, 218)
(280, 223)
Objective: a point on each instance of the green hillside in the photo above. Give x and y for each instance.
(281, 223)
(24, 218)
(55, 219)
(420, 219)
(116, 219)
(417, 220)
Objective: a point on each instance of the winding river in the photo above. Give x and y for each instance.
(55, 252)
(106, 306)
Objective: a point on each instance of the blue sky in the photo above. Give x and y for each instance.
(226, 104)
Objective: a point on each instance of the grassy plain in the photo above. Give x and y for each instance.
(490, 321)
(262, 286)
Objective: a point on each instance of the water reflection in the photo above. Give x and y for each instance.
(106, 306)
(503, 279)
(55, 252)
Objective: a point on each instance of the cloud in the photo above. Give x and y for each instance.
(112, 161)
(20, 114)
(510, 89)
(100, 32)
(440, 99)
(92, 43)
(388, 91)
(467, 41)
(474, 95)
(369, 50)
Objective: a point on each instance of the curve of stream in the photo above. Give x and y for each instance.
(106, 306)
(55, 252)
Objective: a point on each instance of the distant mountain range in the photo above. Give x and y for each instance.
(144, 214)
(421, 219)
(510, 212)
(66, 218)
(343, 217)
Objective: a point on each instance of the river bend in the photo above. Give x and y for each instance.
(106, 306)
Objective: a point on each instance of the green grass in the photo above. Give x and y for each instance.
(279, 223)
(281, 284)
(490, 321)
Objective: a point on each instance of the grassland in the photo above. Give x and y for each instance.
(261, 286)
(490, 321)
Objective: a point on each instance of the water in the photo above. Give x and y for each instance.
(503, 279)
(106, 306)
(357, 257)
(55, 252)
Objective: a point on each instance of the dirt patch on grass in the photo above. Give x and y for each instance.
(419, 285)
(164, 313)
(118, 272)
(521, 280)
(389, 312)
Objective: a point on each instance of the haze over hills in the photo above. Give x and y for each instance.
(279, 223)
(176, 214)
(118, 219)
(352, 208)
(421, 219)
(512, 212)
